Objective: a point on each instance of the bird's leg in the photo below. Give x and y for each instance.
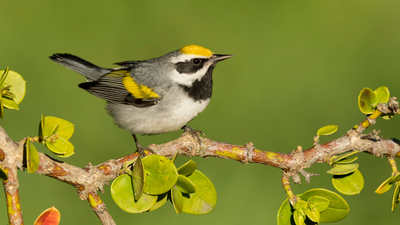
(139, 147)
(194, 133)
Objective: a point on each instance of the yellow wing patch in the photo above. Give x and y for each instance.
(137, 90)
(196, 50)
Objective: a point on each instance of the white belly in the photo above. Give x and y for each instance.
(170, 114)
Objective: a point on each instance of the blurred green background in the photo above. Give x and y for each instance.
(299, 65)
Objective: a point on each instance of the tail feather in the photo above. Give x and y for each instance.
(87, 69)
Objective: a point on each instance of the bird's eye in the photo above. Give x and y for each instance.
(196, 61)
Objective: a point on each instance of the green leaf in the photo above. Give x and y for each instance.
(65, 128)
(349, 184)
(384, 187)
(382, 95)
(17, 85)
(365, 101)
(395, 199)
(41, 128)
(9, 103)
(161, 200)
(337, 158)
(285, 213)
(368, 99)
(301, 204)
(298, 219)
(3, 174)
(4, 74)
(122, 194)
(32, 156)
(204, 199)
(70, 150)
(59, 146)
(187, 168)
(347, 160)
(319, 202)
(343, 169)
(327, 130)
(185, 185)
(387, 116)
(160, 174)
(313, 214)
(138, 178)
(177, 200)
(337, 209)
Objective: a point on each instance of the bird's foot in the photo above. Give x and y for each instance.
(195, 134)
(140, 150)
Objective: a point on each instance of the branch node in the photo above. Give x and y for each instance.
(249, 153)
(371, 121)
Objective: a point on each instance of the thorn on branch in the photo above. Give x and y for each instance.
(308, 175)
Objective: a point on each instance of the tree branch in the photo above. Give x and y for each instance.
(91, 179)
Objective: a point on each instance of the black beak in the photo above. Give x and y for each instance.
(218, 58)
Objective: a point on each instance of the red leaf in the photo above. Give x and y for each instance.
(50, 216)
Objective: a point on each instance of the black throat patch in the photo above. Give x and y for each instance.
(201, 90)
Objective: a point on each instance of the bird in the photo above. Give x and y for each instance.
(153, 96)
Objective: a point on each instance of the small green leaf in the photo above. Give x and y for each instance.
(177, 200)
(347, 160)
(32, 156)
(384, 187)
(17, 85)
(349, 184)
(58, 146)
(327, 130)
(319, 202)
(365, 101)
(160, 174)
(161, 200)
(301, 204)
(4, 75)
(41, 127)
(382, 95)
(122, 194)
(204, 199)
(313, 214)
(298, 219)
(69, 152)
(138, 178)
(337, 158)
(187, 168)
(65, 128)
(343, 169)
(338, 208)
(387, 116)
(3, 174)
(9, 103)
(185, 185)
(395, 199)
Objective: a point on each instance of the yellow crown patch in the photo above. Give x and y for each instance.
(196, 50)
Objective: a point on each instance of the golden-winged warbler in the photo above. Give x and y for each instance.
(153, 96)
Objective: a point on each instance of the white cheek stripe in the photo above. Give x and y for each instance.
(187, 79)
